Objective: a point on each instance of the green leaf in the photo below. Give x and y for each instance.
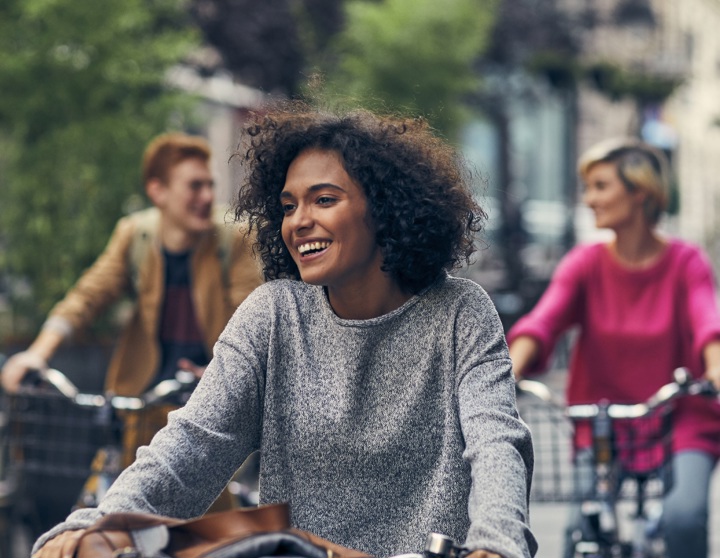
(411, 56)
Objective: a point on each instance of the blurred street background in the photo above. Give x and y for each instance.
(521, 86)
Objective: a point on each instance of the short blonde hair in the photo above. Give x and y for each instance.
(639, 166)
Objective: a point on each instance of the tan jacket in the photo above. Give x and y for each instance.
(137, 355)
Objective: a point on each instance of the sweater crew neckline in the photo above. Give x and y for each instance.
(370, 322)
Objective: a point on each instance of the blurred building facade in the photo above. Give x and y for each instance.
(695, 114)
(670, 39)
(652, 41)
(224, 106)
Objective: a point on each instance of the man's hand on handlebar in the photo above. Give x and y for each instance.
(62, 546)
(17, 366)
(189, 365)
(483, 554)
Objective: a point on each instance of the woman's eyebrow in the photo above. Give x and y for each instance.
(324, 185)
(314, 188)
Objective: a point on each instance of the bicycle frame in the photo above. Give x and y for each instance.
(613, 465)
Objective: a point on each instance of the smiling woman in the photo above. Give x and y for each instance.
(377, 386)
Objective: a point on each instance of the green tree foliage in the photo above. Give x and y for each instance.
(412, 56)
(82, 93)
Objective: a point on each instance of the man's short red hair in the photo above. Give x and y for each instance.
(169, 150)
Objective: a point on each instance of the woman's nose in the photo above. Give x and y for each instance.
(301, 218)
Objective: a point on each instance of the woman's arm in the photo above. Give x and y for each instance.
(188, 462)
(703, 312)
(524, 351)
(532, 339)
(483, 554)
(498, 446)
(711, 357)
(62, 546)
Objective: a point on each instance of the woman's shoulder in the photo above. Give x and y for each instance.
(281, 290)
(279, 299)
(681, 248)
(586, 251)
(459, 292)
(688, 256)
(451, 286)
(465, 304)
(581, 259)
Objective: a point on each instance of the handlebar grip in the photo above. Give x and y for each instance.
(703, 387)
(32, 378)
(682, 376)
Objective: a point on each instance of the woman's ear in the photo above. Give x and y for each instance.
(640, 195)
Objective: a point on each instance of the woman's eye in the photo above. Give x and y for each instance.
(325, 200)
(287, 207)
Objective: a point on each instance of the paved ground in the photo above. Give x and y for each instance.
(548, 521)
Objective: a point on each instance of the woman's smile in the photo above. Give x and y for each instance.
(310, 249)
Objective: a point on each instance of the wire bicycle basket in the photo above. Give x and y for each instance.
(641, 451)
(48, 434)
(552, 442)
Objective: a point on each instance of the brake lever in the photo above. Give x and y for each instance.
(703, 387)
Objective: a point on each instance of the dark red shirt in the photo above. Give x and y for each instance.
(180, 334)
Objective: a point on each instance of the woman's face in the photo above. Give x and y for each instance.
(326, 225)
(612, 203)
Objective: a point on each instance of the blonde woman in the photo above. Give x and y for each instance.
(644, 304)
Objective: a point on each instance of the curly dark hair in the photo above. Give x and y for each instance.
(417, 186)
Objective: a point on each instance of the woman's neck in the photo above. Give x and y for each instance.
(637, 249)
(368, 301)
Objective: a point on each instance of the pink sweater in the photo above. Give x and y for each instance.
(635, 328)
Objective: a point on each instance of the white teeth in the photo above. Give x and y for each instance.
(304, 248)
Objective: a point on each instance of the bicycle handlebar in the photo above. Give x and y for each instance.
(182, 382)
(682, 385)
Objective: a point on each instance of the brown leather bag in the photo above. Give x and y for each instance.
(243, 533)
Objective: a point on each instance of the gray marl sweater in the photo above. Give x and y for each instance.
(375, 431)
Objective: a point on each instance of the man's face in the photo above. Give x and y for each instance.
(186, 198)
